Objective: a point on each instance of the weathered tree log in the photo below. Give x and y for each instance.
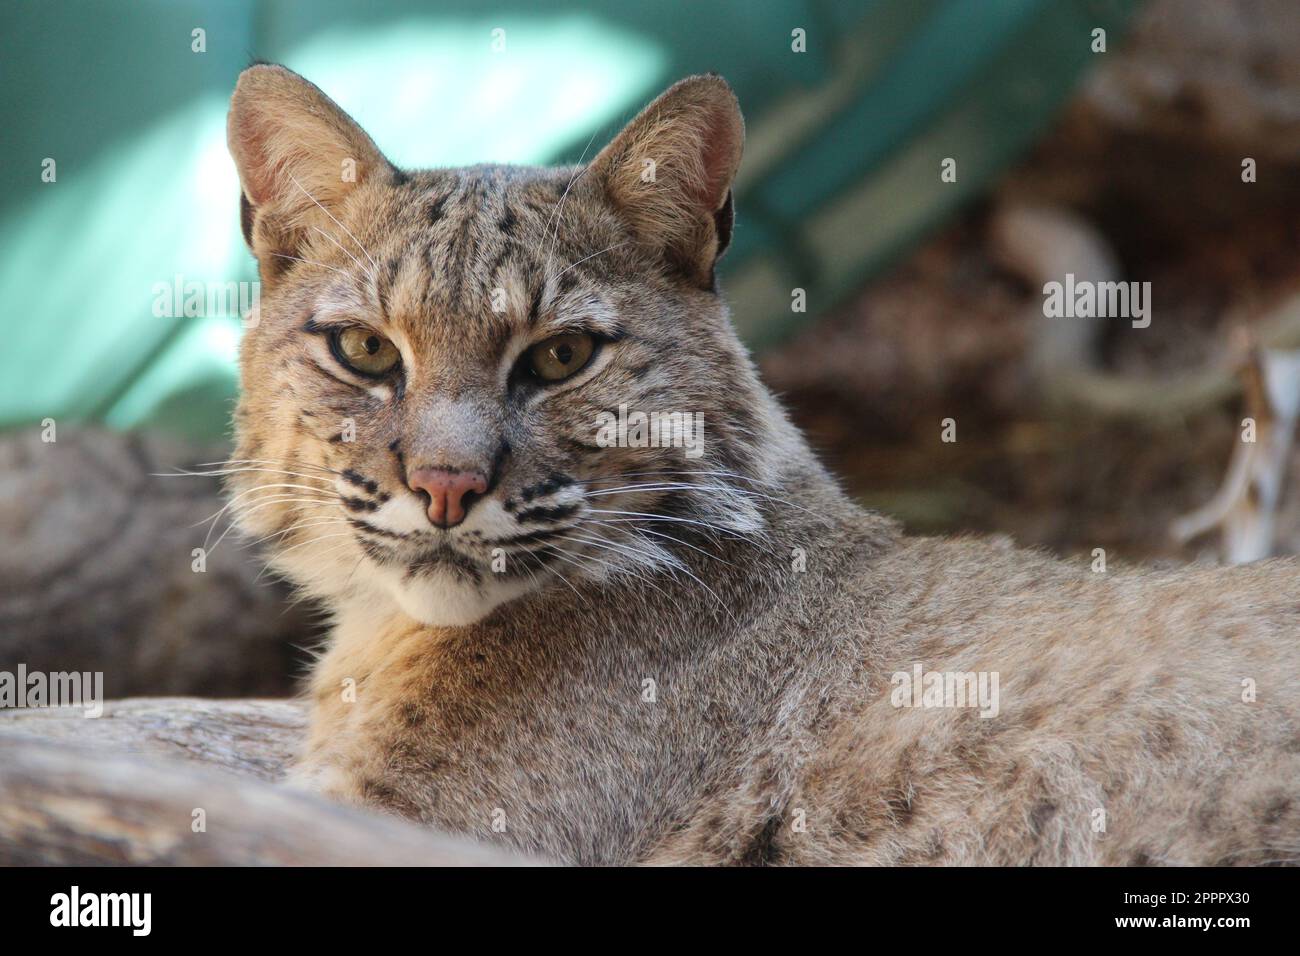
(187, 782)
(98, 571)
(250, 738)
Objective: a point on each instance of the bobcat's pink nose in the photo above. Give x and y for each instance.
(451, 492)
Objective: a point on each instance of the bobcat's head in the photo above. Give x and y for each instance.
(443, 396)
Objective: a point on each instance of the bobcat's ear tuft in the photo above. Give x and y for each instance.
(669, 173)
(292, 144)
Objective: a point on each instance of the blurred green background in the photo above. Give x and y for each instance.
(841, 175)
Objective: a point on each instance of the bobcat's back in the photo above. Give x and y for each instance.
(1139, 717)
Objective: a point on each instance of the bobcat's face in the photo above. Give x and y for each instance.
(433, 395)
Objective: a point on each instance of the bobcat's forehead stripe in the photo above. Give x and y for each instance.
(434, 210)
(508, 221)
(535, 306)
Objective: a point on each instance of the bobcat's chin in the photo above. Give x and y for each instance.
(442, 598)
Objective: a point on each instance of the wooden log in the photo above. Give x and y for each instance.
(250, 738)
(103, 576)
(188, 782)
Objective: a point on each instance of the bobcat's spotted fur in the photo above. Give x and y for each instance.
(624, 654)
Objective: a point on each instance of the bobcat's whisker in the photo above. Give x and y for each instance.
(234, 523)
(675, 566)
(641, 561)
(315, 540)
(712, 533)
(716, 529)
(214, 519)
(559, 206)
(558, 552)
(532, 575)
(331, 550)
(325, 496)
(616, 245)
(603, 567)
(706, 473)
(636, 570)
(369, 273)
(240, 471)
(617, 525)
(658, 486)
(313, 262)
(335, 221)
(267, 461)
(299, 526)
(687, 486)
(355, 568)
(261, 503)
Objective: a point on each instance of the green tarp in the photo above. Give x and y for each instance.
(842, 172)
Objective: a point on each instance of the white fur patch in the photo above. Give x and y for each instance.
(444, 598)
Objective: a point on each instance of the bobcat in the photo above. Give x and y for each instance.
(592, 646)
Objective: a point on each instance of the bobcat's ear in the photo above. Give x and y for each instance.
(292, 145)
(669, 173)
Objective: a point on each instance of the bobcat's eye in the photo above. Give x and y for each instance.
(363, 351)
(560, 356)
